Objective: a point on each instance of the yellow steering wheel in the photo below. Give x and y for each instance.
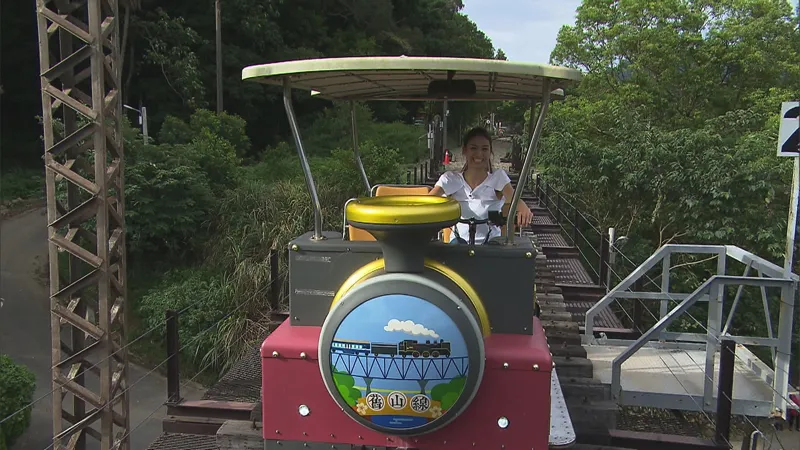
(399, 211)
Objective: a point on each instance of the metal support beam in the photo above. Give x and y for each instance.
(526, 167)
(725, 392)
(87, 163)
(713, 328)
(218, 30)
(298, 143)
(783, 353)
(173, 358)
(354, 124)
(445, 108)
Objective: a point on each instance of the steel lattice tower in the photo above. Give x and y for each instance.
(83, 155)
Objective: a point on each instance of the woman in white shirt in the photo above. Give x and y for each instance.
(479, 188)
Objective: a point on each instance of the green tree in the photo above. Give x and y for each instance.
(17, 385)
(229, 127)
(671, 136)
(344, 383)
(683, 61)
(448, 393)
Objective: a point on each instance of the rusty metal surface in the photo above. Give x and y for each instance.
(551, 240)
(606, 318)
(242, 383)
(81, 111)
(181, 441)
(569, 271)
(542, 219)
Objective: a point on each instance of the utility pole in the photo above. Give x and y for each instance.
(219, 54)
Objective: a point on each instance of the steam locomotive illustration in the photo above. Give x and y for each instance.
(404, 348)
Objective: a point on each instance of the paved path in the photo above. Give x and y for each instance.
(25, 334)
(500, 149)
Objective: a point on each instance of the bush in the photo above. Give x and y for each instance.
(204, 297)
(331, 130)
(227, 126)
(168, 200)
(276, 163)
(216, 158)
(22, 184)
(17, 385)
(410, 141)
(173, 189)
(340, 173)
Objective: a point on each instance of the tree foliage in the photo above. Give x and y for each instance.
(170, 49)
(676, 118)
(256, 32)
(17, 385)
(210, 194)
(671, 137)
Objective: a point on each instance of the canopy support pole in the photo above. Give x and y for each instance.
(526, 167)
(354, 124)
(298, 143)
(440, 156)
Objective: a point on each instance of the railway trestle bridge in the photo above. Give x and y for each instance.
(400, 368)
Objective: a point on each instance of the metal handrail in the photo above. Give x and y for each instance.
(715, 281)
(737, 253)
(769, 275)
(345, 236)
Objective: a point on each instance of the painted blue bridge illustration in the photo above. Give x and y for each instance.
(407, 360)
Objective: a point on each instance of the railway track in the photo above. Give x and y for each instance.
(589, 402)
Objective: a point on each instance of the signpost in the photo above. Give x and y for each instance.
(789, 145)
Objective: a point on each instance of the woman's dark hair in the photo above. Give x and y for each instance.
(478, 132)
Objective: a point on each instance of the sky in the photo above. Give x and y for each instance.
(526, 30)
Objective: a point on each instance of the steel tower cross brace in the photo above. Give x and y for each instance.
(83, 155)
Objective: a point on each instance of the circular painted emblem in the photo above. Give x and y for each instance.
(400, 362)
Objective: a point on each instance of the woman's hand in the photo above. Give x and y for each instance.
(524, 215)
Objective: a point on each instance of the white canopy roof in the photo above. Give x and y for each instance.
(408, 78)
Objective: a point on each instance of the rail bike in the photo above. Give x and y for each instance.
(396, 338)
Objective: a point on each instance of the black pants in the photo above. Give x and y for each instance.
(794, 420)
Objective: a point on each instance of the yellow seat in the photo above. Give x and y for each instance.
(446, 232)
(389, 189)
(357, 234)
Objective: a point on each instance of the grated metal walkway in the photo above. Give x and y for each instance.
(241, 384)
(182, 441)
